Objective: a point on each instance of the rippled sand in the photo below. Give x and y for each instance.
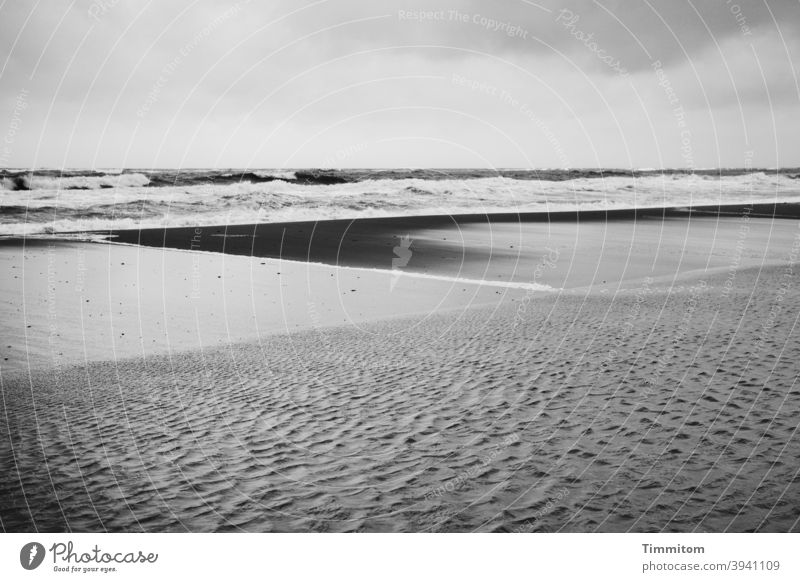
(647, 411)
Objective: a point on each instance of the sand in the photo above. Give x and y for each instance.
(657, 397)
(671, 411)
(66, 303)
(564, 250)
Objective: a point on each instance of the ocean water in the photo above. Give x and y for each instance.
(50, 202)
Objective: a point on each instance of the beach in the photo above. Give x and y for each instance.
(278, 268)
(627, 374)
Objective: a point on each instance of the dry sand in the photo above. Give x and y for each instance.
(642, 404)
(66, 303)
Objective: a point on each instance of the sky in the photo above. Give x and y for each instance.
(376, 83)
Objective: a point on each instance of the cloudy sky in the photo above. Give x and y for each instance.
(377, 83)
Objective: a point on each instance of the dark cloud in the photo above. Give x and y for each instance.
(635, 32)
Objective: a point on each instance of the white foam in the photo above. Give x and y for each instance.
(136, 206)
(278, 175)
(85, 182)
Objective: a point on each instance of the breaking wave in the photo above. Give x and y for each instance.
(46, 202)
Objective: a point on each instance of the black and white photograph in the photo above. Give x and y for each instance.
(399, 267)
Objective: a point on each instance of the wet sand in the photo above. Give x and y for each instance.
(660, 395)
(448, 243)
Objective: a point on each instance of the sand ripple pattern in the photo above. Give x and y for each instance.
(648, 411)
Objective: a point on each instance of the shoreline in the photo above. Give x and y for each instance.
(775, 210)
(334, 241)
(556, 250)
(79, 301)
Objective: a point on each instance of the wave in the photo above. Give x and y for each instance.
(72, 182)
(276, 175)
(167, 179)
(92, 180)
(133, 202)
(121, 178)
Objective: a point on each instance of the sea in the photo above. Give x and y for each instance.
(70, 203)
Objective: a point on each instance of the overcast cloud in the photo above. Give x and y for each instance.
(108, 83)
